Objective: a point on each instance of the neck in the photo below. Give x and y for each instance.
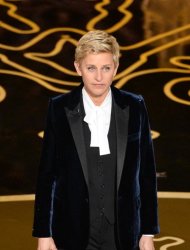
(97, 100)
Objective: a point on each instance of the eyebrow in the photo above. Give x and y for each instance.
(102, 65)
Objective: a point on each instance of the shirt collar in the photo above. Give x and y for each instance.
(88, 101)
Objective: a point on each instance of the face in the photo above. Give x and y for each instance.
(97, 71)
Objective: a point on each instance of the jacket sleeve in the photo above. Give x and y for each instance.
(45, 181)
(148, 182)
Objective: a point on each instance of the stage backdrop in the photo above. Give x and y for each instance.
(37, 43)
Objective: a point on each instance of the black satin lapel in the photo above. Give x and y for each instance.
(75, 119)
(122, 119)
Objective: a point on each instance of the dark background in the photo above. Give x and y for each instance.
(23, 111)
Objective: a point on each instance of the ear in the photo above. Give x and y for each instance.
(77, 67)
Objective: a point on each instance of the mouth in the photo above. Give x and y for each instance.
(98, 84)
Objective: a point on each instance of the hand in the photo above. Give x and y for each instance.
(46, 244)
(146, 243)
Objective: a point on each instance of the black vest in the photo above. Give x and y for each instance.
(102, 173)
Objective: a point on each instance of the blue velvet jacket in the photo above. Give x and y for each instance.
(62, 202)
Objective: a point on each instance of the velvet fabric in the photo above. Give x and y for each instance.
(62, 201)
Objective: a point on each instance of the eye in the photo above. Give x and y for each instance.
(91, 68)
(106, 68)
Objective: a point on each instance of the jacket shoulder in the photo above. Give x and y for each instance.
(60, 99)
(131, 97)
(70, 99)
(125, 98)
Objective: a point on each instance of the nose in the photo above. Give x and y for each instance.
(98, 75)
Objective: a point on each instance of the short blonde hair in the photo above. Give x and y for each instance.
(95, 42)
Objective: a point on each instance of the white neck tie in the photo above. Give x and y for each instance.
(98, 119)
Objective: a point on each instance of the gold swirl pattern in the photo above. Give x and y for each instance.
(154, 134)
(41, 134)
(122, 77)
(168, 90)
(151, 46)
(12, 9)
(2, 94)
(91, 25)
(177, 241)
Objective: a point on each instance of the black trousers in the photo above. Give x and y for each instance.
(102, 235)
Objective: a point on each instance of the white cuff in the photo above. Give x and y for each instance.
(149, 235)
